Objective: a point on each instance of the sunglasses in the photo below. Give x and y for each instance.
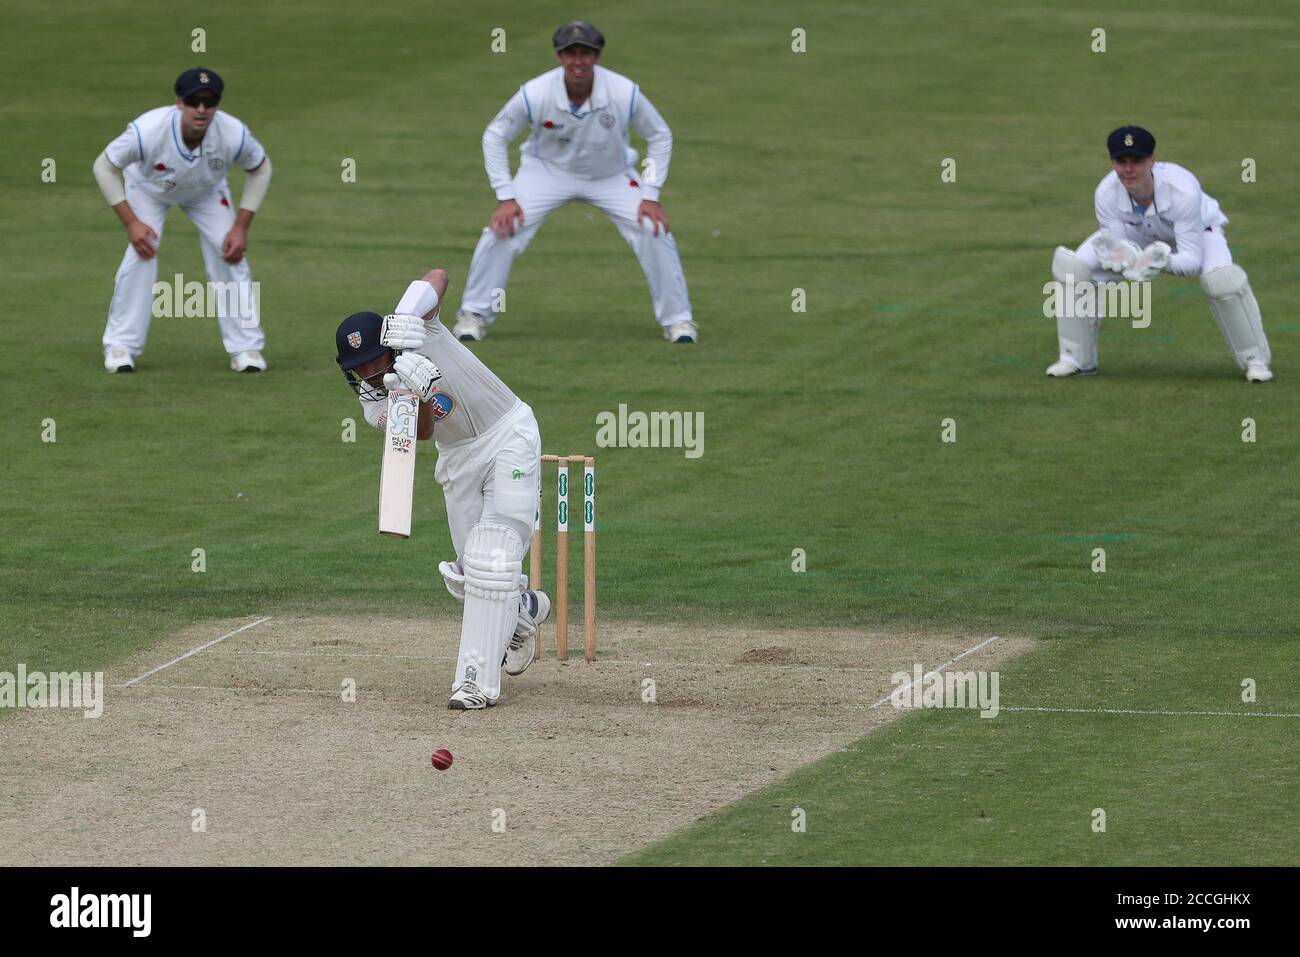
(209, 101)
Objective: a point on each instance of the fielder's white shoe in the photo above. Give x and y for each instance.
(681, 332)
(1063, 367)
(523, 647)
(470, 326)
(469, 697)
(247, 362)
(1258, 372)
(118, 359)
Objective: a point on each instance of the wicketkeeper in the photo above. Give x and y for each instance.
(1152, 217)
(489, 457)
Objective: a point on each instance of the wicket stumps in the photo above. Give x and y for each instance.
(561, 595)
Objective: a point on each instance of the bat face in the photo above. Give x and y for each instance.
(397, 471)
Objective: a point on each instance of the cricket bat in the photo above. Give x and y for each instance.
(397, 470)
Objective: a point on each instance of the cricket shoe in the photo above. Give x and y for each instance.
(681, 332)
(1062, 368)
(536, 605)
(469, 697)
(470, 326)
(118, 359)
(250, 361)
(1258, 372)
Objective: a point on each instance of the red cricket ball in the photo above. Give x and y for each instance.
(442, 759)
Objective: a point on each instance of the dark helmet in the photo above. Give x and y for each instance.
(357, 341)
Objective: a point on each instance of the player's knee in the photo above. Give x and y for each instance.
(1224, 281)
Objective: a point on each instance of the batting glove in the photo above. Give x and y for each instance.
(1149, 263)
(415, 372)
(402, 332)
(1117, 255)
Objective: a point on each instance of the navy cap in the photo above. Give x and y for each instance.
(358, 339)
(578, 33)
(1130, 141)
(199, 78)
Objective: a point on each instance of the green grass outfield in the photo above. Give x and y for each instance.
(818, 171)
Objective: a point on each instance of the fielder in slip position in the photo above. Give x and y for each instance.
(178, 156)
(489, 456)
(1152, 217)
(578, 116)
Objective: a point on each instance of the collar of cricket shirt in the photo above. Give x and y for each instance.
(598, 100)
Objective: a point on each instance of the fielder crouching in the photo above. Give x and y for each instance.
(1152, 218)
(489, 457)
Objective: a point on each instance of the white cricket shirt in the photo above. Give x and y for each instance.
(156, 159)
(589, 140)
(1179, 215)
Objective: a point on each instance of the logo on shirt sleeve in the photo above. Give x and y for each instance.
(441, 405)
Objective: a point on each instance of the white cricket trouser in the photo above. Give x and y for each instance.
(1214, 251)
(539, 190)
(493, 478)
(131, 308)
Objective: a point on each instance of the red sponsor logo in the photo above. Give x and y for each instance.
(549, 125)
(225, 202)
(161, 167)
(632, 182)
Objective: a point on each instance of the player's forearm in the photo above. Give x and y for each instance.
(496, 160)
(651, 127)
(498, 136)
(125, 213)
(1185, 262)
(256, 184)
(111, 182)
(424, 426)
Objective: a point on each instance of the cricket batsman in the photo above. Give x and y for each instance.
(179, 156)
(489, 459)
(578, 116)
(1152, 217)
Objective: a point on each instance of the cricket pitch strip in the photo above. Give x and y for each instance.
(252, 737)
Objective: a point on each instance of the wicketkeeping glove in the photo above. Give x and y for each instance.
(1149, 263)
(1117, 255)
(402, 332)
(415, 372)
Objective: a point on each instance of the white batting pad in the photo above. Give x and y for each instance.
(493, 574)
(1077, 334)
(1236, 312)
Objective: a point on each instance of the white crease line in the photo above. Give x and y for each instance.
(600, 660)
(968, 651)
(1217, 714)
(246, 689)
(195, 651)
